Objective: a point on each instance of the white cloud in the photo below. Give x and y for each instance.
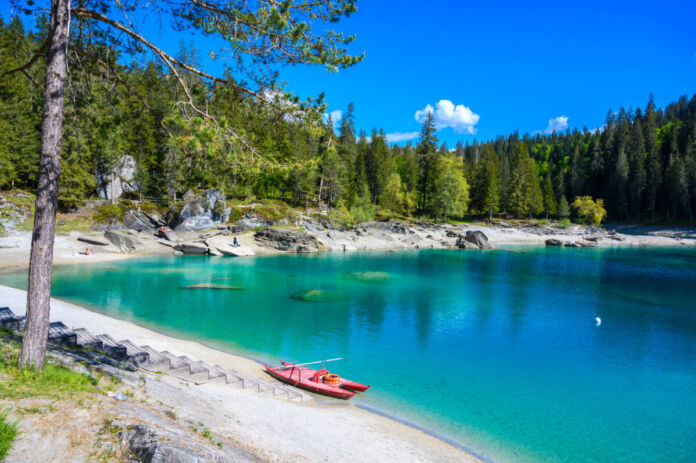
(397, 137)
(459, 117)
(335, 115)
(557, 124)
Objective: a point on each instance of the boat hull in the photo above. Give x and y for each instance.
(345, 383)
(299, 377)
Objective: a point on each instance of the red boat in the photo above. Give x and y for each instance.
(321, 381)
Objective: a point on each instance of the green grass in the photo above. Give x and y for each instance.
(8, 432)
(81, 224)
(55, 381)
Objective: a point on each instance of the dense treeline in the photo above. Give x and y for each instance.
(642, 162)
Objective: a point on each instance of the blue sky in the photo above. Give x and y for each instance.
(501, 66)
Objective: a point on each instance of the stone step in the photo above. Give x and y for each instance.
(134, 353)
(113, 348)
(206, 373)
(58, 333)
(87, 340)
(157, 361)
(8, 319)
(175, 363)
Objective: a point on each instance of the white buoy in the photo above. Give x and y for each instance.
(599, 321)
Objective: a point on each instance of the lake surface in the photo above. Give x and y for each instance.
(497, 350)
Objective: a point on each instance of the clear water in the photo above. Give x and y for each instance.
(497, 350)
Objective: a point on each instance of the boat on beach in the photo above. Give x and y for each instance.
(319, 381)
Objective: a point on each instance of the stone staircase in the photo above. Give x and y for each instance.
(149, 359)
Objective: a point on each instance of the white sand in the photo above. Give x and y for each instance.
(274, 429)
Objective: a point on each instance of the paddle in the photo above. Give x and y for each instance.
(291, 365)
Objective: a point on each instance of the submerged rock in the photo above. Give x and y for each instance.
(212, 286)
(318, 295)
(369, 276)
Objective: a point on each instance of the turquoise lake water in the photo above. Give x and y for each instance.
(497, 350)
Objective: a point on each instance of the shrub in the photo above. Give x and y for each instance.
(108, 213)
(588, 210)
(341, 216)
(363, 211)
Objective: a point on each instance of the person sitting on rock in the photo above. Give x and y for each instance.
(235, 243)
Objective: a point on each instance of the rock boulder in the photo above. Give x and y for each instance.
(287, 240)
(125, 243)
(462, 243)
(192, 247)
(478, 238)
(553, 242)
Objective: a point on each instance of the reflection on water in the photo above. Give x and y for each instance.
(498, 350)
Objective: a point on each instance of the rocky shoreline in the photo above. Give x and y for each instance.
(201, 226)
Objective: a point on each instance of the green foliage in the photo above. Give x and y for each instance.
(108, 212)
(451, 191)
(341, 216)
(588, 210)
(363, 210)
(8, 432)
(642, 163)
(393, 197)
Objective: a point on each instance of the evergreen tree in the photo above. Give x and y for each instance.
(426, 150)
(549, 197)
(563, 208)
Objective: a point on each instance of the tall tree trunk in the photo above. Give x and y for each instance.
(33, 350)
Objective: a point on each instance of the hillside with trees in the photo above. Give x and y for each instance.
(641, 163)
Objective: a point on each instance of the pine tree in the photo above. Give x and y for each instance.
(549, 196)
(426, 150)
(563, 208)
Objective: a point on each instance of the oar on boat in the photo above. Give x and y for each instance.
(290, 365)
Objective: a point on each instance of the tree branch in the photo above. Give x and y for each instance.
(168, 59)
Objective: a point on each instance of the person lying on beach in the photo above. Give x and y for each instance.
(87, 252)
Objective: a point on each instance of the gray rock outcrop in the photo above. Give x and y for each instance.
(200, 211)
(143, 444)
(125, 243)
(168, 235)
(553, 242)
(138, 221)
(478, 238)
(462, 243)
(112, 185)
(287, 240)
(192, 247)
